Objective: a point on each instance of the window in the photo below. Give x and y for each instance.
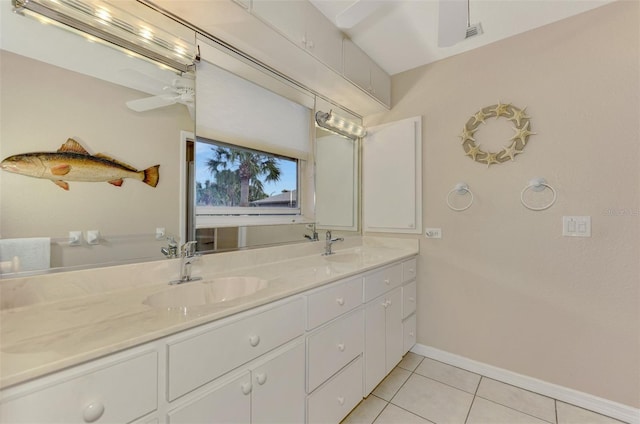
(233, 180)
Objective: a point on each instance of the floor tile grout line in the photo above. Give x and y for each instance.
(513, 409)
(475, 395)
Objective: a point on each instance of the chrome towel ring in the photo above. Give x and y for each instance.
(460, 189)
(538, 184)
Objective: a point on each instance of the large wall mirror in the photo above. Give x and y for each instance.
(56, 86)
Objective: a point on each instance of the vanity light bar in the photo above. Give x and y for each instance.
(116, 26)
(340, 125)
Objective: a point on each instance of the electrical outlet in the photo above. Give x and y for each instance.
(434, 233)
(576, 226)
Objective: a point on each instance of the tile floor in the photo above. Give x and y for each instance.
(423, 391)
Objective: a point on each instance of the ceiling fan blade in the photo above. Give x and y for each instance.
(453, 18)
(148, 103)
(356, 13)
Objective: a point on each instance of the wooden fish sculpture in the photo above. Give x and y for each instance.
(73, 163)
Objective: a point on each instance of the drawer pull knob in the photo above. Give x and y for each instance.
(411, 271)
(93, 412)
(411, 299)
(341, 400)
(385, 303)
(246, 388)
(254, 340)
(261, 378)
(340, 301)
(387, 281)
(341, 347)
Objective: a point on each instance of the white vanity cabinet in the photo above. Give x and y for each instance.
(305, 26)
(120, 388)
(269, 390)
(383, 324)
(308, 358)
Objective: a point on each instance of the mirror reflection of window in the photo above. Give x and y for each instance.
(231, 176)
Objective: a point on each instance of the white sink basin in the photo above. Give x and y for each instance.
(206, 292)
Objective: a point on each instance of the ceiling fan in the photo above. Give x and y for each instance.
(454, 24)
(181, 90)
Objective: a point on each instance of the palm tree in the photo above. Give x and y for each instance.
(250, 167)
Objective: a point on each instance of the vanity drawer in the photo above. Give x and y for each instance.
(334, 400)
(328, 303)
(334, 346)
(409, 333)
(409, 270)
(408, 299)
(199, 358)
(380, 282)
(120, 391)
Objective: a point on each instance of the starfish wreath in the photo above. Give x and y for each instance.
(514, 146)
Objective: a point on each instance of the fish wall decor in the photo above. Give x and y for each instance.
(71, 162)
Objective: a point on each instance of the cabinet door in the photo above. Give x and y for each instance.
(380, 84)
(392, 177)
(228, 403)
(278, 388)
(357, 65)
(375, 341)
(409, 330)
(393, 329)
(287, 17)
(324, 40)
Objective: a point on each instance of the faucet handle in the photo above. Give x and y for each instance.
(189, 248)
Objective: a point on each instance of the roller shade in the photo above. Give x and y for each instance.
(233, 110)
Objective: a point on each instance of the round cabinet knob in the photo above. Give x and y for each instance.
(92, 412)
(261, 378)
(340, 301)
(254, 340)
(246, 388)
(341, 347)
(341, 400)
(411, 299)
(411, 271)
(387, 281)
(385, 303)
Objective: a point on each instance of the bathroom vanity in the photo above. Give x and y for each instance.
(294, 337)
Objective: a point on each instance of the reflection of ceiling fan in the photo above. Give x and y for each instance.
(180, 91)
(454, 24)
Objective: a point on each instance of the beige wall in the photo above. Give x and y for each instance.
(42, 106)
(503, 286)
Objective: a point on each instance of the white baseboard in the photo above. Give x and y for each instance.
(583, 400)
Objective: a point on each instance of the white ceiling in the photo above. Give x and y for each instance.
(403, 34)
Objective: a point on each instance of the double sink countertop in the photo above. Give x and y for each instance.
(53, 321)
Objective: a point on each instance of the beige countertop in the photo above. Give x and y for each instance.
(54, 321)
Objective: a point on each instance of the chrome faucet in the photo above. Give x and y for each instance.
(188, 256)
(314, 233)
(329, 242)
(171, 251)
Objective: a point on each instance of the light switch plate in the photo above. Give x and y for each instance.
(576, 226)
